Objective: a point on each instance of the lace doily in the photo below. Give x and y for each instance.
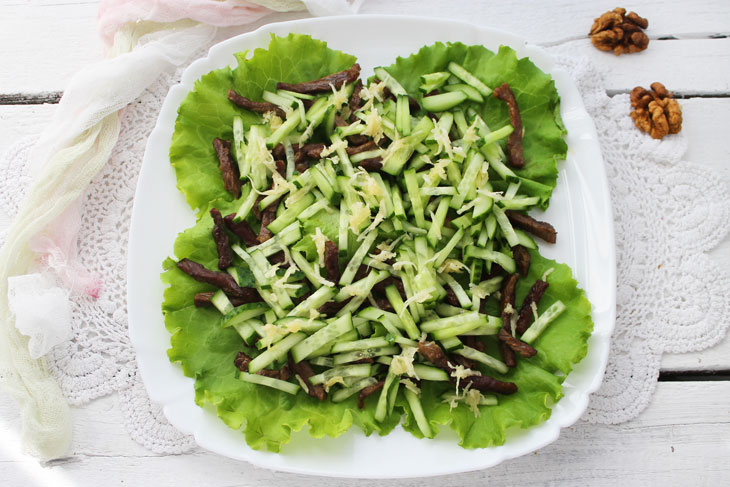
(668, 213)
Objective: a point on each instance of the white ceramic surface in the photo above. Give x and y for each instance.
(580, 210)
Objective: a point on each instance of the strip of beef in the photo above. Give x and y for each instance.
(356, 139)
(225, 255)
(364, 360)
(241, 361)
(280, 167)
(281, 374)
(223, 280)
(304, 370)
(362, 272)
(473, 342)
(413, 104)
(279, 151)
(241, 229)
(484, 383)
(313, 151)
(507, 302)
(325, 84)
(369, 145)
(464, 362)
(522, 258)
(539, 229)
(374, 164)
(369, 390)
(451, 297)
(331, 261)
(231, 181)
(268, 215)
(203, 300)
(516, 344)
(380, 287)
(525, 317)
(434, 354)
(256, 209)
(355, 100)
(514, 141)
(278, 258)
(254, 106)
(383, 303)
(331, 308)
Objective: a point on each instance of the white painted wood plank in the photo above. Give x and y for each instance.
(680, 439)
(46, 43)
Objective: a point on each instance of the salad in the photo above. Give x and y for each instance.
(363, 252)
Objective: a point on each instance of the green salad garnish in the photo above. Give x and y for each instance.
(363, 253)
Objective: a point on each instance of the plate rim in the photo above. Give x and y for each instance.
(542, 59)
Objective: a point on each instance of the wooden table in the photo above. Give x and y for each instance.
(684, 435)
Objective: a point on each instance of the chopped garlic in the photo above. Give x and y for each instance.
(273, 120)
(333, 381)
(441, 136)
(471, 135)
(403, 362)
(370, 93)
(302, 383)
(460, 372)
(452, 265)
(339, 97)
(419, 297)
(547, 273)
(294, 326)
(340, 144)
(373, 125)
(314, 314)
(359, 213)
(320, 241)
(399, 265)
(411, 386)
(437, 172)
(472, 398)
(533, 307)
(379, 217)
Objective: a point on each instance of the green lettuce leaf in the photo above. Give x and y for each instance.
(535, 93)
(206, 113)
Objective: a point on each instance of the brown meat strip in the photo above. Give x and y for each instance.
(312, 151)
(305, 372)
(525, 318)
(324, 85)
(507, 354)
(485, 383)
(203, 300)
(231, 181)
(241, 229)
(223, 280)
(434, 354)
(279, 151)
(225, 255)
(331, 261)
(380, 287)
(516, 344)
(362, 272)
(280, 167)
(374, 164)
(331, 308)
(522, 258)
(367, 392)
(241, 361)
(473, 342)
(514, 141)
(268, 215)
(369, 145)
(539, 229)
(463, 361)
(451, 297)
(254, 106)
(281, 374)
(508, 297)
(355, 100)
(277, 258)
(383, 303)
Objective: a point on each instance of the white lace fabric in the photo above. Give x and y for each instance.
(668, 213)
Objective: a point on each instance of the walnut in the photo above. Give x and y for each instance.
(620, 32)
(656, 112)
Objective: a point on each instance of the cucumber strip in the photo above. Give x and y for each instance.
(498, 134)
(278, 350)
(300, 324)
(360, 345)
(446, 310)
(238, 145)
(504, 224)
(391, 292)
(460, 120)
(427, 372)
(439, 218)
(490, 329)
(525, 240)
(491, 153)
(454, 331)
(482, 205)
(322, 361)
(362, 287)
(542, 321)
(473, 317)
(314, 209)
(443, 101)
(415, 198)
(443, 254)
(520, 203)
(451, 343)
(469, 181)
(461, 295)
(438, 191)
(370, 154)
(341, 394)
(400, 151)
(290, 214)
(290, 159)
(468, 78)
(356, 355)
(248, 201)
(393, 395)
(279, 99)
(294, 94)
(382, 407)
(387, 199)
(503, 260)
(403, 115)
(358, 370)
(343, 231)
(390, 82)
(322, 337)
(262, 380)
(309, 271)
(243, 313)
(400, 340)
(351, 269)
(291, 123)
(341, 151)
(470, 92)
(491, 225)
(384, 360)
(317, 299)
(417, 410)
(433, 81)
(489, 286)
(483, 358)
(323, 183)
(386, 318)
(221, 302)
(246, 331)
